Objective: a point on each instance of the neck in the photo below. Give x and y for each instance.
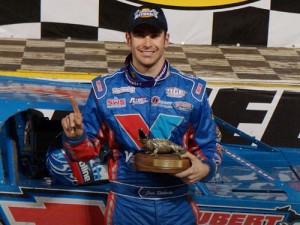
(136, 78)
(151, 70)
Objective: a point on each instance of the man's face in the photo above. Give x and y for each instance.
(148, 45)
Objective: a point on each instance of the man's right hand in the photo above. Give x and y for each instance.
(72, 123)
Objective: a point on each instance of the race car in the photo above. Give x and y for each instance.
(257, 184)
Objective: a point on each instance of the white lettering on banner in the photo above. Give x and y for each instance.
(269, 115)
(213, 95)
(257, 130)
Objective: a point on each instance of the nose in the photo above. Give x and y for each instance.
(147, 41)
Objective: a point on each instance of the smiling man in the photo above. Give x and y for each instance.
(148, 94)
(148, 38)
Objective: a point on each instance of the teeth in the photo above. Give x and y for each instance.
(147, 52)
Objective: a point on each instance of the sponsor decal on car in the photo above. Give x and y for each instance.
(228, 216)
(45, 206)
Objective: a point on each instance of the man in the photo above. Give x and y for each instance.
(146, 94)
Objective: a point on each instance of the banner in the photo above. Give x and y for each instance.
(272, 23)
(271, 116)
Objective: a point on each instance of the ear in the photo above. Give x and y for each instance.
(128, 38)
(167, 40)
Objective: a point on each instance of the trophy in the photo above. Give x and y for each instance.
(160, 156)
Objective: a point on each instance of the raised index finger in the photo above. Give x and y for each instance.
(74, 105)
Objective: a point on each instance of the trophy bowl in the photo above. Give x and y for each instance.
(161, 163)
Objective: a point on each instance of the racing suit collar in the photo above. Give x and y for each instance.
(138, 79)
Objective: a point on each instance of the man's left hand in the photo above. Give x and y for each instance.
(196, 172)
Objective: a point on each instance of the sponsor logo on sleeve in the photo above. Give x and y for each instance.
(199, 89)
(99, 85)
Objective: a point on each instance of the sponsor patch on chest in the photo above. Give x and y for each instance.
(156, 101)
(138, 100)
(175, 92)
(183, 106)
(121, 90)
(116, 103)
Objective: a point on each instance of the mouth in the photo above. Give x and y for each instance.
(147, 53)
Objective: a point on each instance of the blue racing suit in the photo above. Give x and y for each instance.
(172, 106)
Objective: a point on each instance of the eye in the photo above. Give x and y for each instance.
(145, 30)
(139, 34)
(155, 34)
(152, 35)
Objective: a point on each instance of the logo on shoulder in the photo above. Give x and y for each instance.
(198, 89)
(175, 92)
(99, 86)
(116, 103)
(121, 90)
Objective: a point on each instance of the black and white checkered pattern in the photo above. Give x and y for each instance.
(206, 61)
(272, 23)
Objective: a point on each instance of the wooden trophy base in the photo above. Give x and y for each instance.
(162, 163)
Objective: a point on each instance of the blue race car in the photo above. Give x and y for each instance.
(256, 184)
